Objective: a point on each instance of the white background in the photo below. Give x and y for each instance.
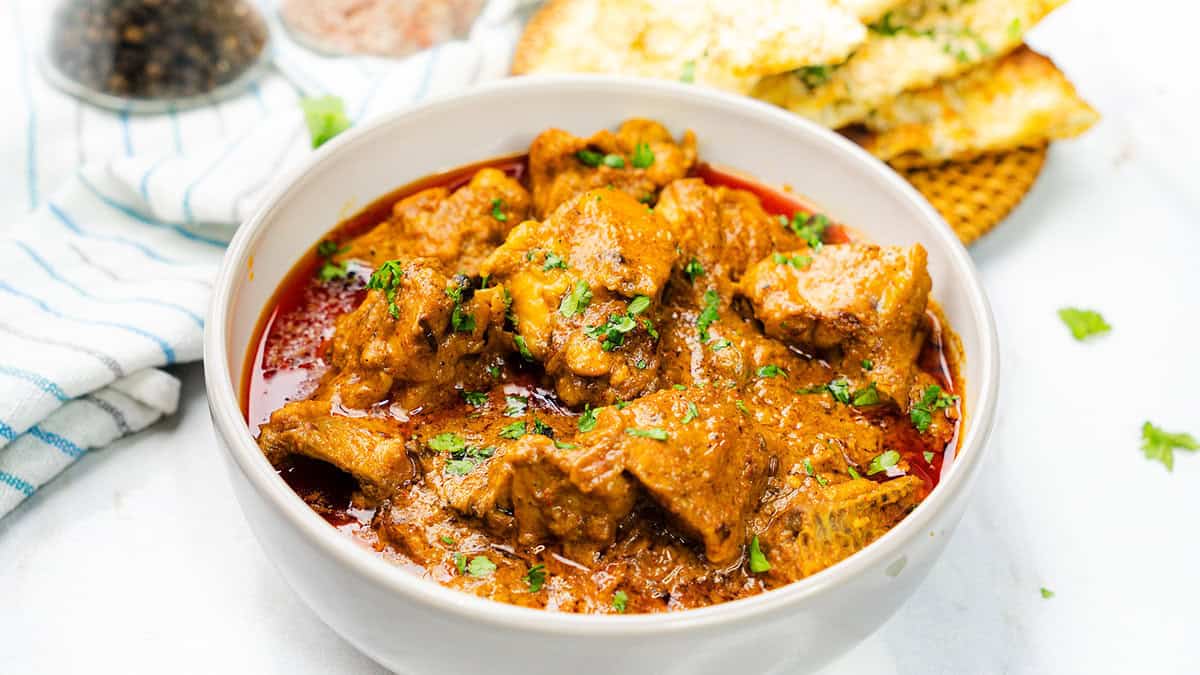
(138, 560)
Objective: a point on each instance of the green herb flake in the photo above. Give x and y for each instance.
(464, 461)
(577, 300)
(494, 371)
(868, 364)
(1083, 323)
(853, 472)
(649, 325)
(1047, 593)
(866, 397)
(928, 455)
(563, 445)
(325, 117)
(811, 228)
(613, 161)
(386, 278)
(1014, 33)
(653, 434)
(513, 431)
(535, 578)
(721, 344)
(882, 462)
(640, 364)
(620, 601)
(330, 269)
(447, 443)
(587, 421)
(689, 72)
(447, 540)
(553, 261)
(814, 76)
(693, 270)
(498, 210)
(690, 414)
(758, 561)
(1160, 445)
(515, 406)
(612, 332)
(643, 156)
(932, 400)
(796, 261)
(771, 370)
(522, 347)
(457, 291)
(460, 563)
(708, 316)
(589, 157)
(840, 390)
(542, 429)
(480, 566)
(741, 405)
(475, 398)
(638, 305)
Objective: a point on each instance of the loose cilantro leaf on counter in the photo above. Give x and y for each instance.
(325, 117)
(513, 431)
(480, 566)
(620, 601)
(758, 561)
(1047, 593)
(386, 278)
(932, 400)
(577, 300)
(882, 462)
(1084, 323)
(587, 421)
(1160, 445)
(655, 434)
(536, 578)
(643, 156)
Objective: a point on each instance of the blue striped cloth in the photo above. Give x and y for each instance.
(119, 222)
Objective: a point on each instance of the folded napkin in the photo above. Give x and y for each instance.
(107, 280)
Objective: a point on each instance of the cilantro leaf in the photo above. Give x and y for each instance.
(447, 442)
(693, 269)
(577, 300)
(515, 406)
(840, 390)
(771, 370)
(1160, 445)
(638, 305)
(689, 72)
(589, 157)
(882, 462)
(866, 396)
(797, 261)
(613, 161)
(758, 561)
(480, 566)
(654, 433)
(553, 261)
(1084, 323)
(620, 601)
(475, 398)
(536, 578)
(612, 332)
(522, 347)
(497, 210)
(709, 314)
(587, 421)
(691, 413)
(386, 278)
(811, 228)
(643, 156)
(1047, 593)
(932, 400)
(513, 431)
(325, 117)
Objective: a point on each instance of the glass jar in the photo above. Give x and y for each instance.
(391, 28)
(155, 55)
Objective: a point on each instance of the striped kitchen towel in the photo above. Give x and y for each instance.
(106, 278)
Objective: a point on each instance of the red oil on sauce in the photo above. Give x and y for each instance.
(292, 337)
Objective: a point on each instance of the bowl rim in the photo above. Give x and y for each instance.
(221, 387)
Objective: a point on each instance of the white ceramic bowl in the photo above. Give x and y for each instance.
(413, 625)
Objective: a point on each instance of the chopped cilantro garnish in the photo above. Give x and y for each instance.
(587, 421)
(1160, 445)
(640, 364)
(325, 117)
(461, 462)
(497, 212)
(522, 347)
(386, 278)
(1014, 29)
(329, 269)
(480, 566)
(882, 462)
(650, 328)
(932, 400)
(475, 398)
(589, 157)
(620, 601)
(1084, 323)
(513, 431)
(562, 445)
(709, 314)
(638, 305)
(853, 472)
(689, 72)
(459, 291)
(541, 428)
(553, 261)
(515, 406)
(771, 370)
(643, 156)
(928, 455)
(758, 561)
(810, 228)
(797, 261)
(447, 443)
(655, 433)
(866, 396)
(868, 364)
(721, 344)
(460, 563)
(690, 414)
(612, 332)
(536, 578)
(808, 469)
(814, 76)
(741, 405)
(613, 161)
(693, 269)
(494, 371)
(840, 390)
(577, 300)
(447, 540)
(678, 387)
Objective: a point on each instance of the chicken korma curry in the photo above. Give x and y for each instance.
(604, 377)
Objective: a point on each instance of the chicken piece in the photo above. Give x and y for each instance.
(470, 476)
(369, 449)
(723, 229)
(584, 287)
(867, 300)
(457, 230)
(579, 496)
(563, 166)
(413, 332)
(696, 455)
(822, 527)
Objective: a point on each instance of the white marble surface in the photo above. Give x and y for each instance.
(137, 559)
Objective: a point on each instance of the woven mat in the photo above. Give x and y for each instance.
(975, 196)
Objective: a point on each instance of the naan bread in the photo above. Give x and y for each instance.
(727, 44)
(1021, 99)
(909, 48)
